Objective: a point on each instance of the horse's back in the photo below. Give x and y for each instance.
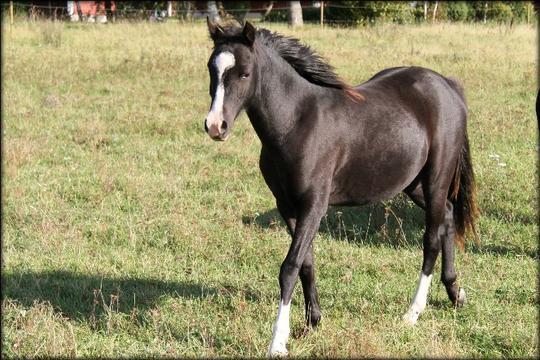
(408, 113)
(436, 101)
(421, 82)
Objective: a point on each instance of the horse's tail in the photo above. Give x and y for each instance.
(463, 196)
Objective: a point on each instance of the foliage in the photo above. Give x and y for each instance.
(369, 12)
(280, 15)
(477, 10)
(349, 12)
(457, 11)
(342, 12)
(520, 9)
(499, 11)
(235, 8)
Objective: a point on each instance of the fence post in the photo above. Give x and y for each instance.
(11, 13)
(322, 14)
(169, 9)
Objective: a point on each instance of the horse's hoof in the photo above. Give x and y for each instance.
(461, 298)
(277, 350)
(314, 320)
(410, 317)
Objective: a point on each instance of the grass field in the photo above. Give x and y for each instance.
(128, 232)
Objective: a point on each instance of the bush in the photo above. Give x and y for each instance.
(519, 10)
(350, 11)
(398, 12)
(499, 11)
(457, 11)
(476, 10)
(367, 12)
(278, 16)
(404, 12)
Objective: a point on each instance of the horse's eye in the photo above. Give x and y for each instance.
(244, 76)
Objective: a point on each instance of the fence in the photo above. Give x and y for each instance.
(321, 12)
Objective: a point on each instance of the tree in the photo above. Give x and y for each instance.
(295, 14)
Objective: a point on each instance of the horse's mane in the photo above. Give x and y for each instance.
(307, 63)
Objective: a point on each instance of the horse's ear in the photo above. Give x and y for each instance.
(214, 29)
(249, 32)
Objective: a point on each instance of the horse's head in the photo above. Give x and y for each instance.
(231, 76)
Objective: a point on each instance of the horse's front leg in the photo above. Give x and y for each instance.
(306, 227)
(307, 271)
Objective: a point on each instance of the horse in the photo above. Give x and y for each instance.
(325, 142)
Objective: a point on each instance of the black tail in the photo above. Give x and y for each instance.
(463, 196)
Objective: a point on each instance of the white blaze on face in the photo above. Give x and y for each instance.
(223, 62)
(280, 331)
(420, 299)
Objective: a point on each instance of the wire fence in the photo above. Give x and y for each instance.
(189, 12)
(312, 6)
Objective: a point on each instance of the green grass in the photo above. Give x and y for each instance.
(128, 232)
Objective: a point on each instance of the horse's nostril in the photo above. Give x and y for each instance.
(224, 126)
(205, 126)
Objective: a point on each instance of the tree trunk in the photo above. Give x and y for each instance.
(169, 9)
(212, 11)
(295, 14)
(267, 10)
(435, 10)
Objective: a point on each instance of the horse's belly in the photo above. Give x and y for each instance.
(368, 179)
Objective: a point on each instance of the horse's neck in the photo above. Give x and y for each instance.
(273, 111)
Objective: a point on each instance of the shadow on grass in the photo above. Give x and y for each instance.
(81, 297)
(397, 223)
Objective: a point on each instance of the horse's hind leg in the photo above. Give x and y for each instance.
(435, 207)
(448, 273)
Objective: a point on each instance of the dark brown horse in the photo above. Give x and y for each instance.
(326, 143)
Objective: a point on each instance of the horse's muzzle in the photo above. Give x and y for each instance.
(217, 132)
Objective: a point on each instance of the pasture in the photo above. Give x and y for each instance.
(128, 232)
